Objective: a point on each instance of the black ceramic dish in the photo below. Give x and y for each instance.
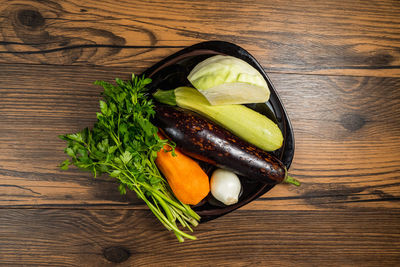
(172, 72)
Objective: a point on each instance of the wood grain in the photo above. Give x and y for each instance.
(346, 132)
(245, 238)
(359, 38)
(336, 66)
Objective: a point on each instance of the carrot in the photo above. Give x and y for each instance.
(188, 181)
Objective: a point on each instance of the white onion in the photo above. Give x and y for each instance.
(225, 186)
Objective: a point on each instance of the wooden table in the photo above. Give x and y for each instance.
(336, 66)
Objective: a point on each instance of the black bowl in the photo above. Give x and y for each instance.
(172, 71)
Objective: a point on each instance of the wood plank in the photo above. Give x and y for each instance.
(32, 115)
(347, 132)
(41, 237)
(328, 37)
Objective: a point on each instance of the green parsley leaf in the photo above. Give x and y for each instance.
(103, 107)
(126, 157)
(70, 152)
(64, 165)
(122, 189)
(75, 137)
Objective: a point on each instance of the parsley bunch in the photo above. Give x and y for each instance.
(124, 144)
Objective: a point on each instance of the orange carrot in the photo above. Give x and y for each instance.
(188, 181)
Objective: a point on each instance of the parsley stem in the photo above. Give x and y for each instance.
(169, 200)
(162, 218)
(161, 197)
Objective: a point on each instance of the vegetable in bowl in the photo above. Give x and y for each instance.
(229, 80)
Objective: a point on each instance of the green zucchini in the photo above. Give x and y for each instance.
(242, 121)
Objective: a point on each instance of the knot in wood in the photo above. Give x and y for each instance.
(30, 18)
(116, 254)
(352, 122)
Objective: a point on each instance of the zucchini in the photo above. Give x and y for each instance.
(242, 121)
(207, 141)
